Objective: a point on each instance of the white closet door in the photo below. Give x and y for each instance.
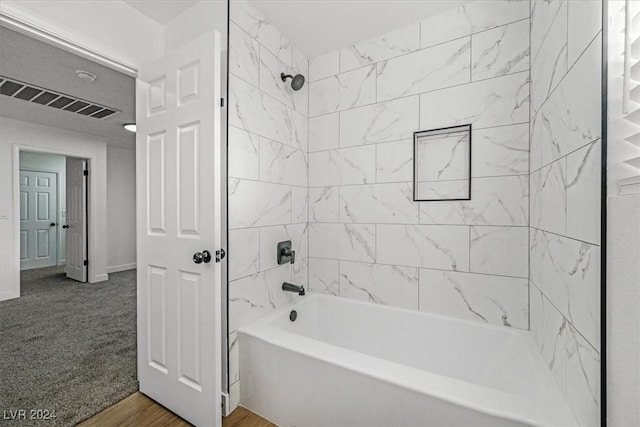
(38, 219)
(76, 226)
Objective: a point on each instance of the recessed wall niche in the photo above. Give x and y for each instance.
(442, 164)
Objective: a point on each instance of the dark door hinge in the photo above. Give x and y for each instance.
(86, 172)
(222, 102)
(85, 262)
(220, 254)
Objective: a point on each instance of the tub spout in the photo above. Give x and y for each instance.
(290, 287)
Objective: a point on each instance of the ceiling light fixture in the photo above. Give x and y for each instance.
(86, 76)
(131, 127)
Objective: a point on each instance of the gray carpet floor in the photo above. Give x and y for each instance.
(66, 346)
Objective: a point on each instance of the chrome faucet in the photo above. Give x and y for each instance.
(290, 287)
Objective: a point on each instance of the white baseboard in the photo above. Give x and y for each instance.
(123, 267)
(100, 278)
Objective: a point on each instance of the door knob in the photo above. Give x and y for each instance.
(65, 226)
(200, 257)
(53, 224)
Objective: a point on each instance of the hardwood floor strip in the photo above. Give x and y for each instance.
(138, 410)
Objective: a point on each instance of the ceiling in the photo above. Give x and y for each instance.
(37, 63)
(161, 11)
(320, 26)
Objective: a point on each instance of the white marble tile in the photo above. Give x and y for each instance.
(255, 296)
(494, 201)
(543, 14)
(378, 203)
(244, 253)
(500, 151)
(244, 55)
(443, 157)
(324, 132)
(245, 16)
(244, 154)
(254, 204)
(380, 284)
(254, 23)
(471, 18)
(282, 164)
(347, 242)
(570, 278)
(500, 250)
(300, 64)
(257, 112)
(549, 198)
(549, 329)
(271, 83)
(234, 371)
(324, 204)
(271, 236)
(271, 38)
(324, 276)
(299, 204)
(300, 272)
(550, 66)
(442, 190)
(344, 166)
(494, 102)
(394, 161)
(570, 118)
(428, 246)
(428, 69)
(583, 193)
(324, 66)
(343, 91)
(489, 299)
(398, 42)
(503, 50)
(382, 122)
(583, 380)
(537, 249)
(585, 21)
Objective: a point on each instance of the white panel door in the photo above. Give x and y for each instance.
(179, 211)
(38, 223)
(76, 226)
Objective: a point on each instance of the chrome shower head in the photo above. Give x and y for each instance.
(297, 81)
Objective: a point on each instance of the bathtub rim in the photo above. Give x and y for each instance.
(458, 392)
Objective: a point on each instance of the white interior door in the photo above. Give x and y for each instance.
(38, 223)
(76, 226)
(179, 210)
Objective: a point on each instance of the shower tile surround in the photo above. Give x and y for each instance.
(565, 197)
(268, 170)
(330, 168)
(368, 239)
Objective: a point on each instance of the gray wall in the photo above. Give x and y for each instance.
(121, 208)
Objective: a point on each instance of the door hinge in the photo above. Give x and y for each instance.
(222, 102)
(220, 254)
(86, 172)
(85, 262)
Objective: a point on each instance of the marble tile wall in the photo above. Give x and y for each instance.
(564, 243)
(268, 185)
(368, 239)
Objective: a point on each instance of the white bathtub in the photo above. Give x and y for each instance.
(348, 363)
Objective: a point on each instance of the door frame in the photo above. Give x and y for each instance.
(92, 207)
(58, 204)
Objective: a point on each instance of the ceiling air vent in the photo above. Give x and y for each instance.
(38, 95)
